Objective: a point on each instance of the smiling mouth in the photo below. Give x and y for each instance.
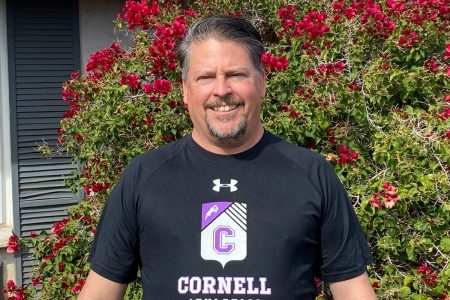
(224, 108)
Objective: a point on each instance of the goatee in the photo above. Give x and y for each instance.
(229, 137)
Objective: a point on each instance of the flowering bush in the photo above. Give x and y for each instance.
(364, 83)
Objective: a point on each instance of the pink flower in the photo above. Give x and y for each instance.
(354, 155)
(35, 281)
(445, 114)
(343, 149)
(389, 203)
(274, 63)
(432, 65)
(139, 14)
(101, 61)
(402, 41)
(395, 6)
(375, 201)
(293, 113)
(162, 86)
(309, 73)
(159, 87)
(447, 51)
(13, 245)
(60, 266)
(340, 65)
(161, 50)
(132, 80)
(148, 120)
(77, 288)
(350, 13)
(347, 156)
(423, 269)
(11, 285)
(353, 85)
(337, 6)
(58, 227)
(190, 13)
(428, 275)
(236, 14)
(75, 75)
(343, 159)
(287, 12)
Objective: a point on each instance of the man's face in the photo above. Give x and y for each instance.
(223, 93)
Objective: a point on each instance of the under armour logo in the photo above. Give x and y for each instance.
(231, 185)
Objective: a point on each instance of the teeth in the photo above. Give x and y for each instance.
(225, 108)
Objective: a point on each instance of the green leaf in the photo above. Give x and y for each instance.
(445, 244)
(410, 252)
(404, 291)
(394, 74)
(408, 279)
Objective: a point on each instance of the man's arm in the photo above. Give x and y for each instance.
(98, 287)
(358, 288)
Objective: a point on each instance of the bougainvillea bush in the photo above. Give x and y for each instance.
(365, 83)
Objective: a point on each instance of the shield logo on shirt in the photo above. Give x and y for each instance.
(224, 231)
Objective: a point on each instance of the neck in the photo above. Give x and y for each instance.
(240, 145)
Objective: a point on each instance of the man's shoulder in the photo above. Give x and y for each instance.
(149, 161)
(297, 154)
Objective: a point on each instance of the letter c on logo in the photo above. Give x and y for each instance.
(183, 285)
(220, 246)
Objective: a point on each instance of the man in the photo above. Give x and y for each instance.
(231, 211)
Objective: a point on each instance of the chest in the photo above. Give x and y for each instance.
(273, 205)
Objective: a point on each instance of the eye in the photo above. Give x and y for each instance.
(204, 77)
(237, 75)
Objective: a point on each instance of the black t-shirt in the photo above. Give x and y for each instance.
(260, 224)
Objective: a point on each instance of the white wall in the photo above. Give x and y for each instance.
(6, 219)
(96, 25)
(5, 145)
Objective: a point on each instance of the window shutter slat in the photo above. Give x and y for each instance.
(44, 49)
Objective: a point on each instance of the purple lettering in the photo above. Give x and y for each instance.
(219, 245)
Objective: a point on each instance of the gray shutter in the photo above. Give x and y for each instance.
(43, 49)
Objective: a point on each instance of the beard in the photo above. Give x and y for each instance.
(230, 136)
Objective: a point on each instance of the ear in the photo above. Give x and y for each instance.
(185, 94)
(263, 84)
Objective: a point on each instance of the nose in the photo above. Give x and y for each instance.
(221, 86)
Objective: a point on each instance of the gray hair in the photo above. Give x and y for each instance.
(222, 27)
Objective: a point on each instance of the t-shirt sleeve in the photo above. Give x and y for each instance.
(114, 253)
(344, 250)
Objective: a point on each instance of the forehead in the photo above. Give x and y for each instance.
(217, 52)
(213, 43)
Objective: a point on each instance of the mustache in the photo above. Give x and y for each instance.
(229, 100)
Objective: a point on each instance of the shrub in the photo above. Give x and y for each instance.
(364, 83)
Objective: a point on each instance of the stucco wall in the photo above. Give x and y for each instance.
(96, 25)
(8, 267)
